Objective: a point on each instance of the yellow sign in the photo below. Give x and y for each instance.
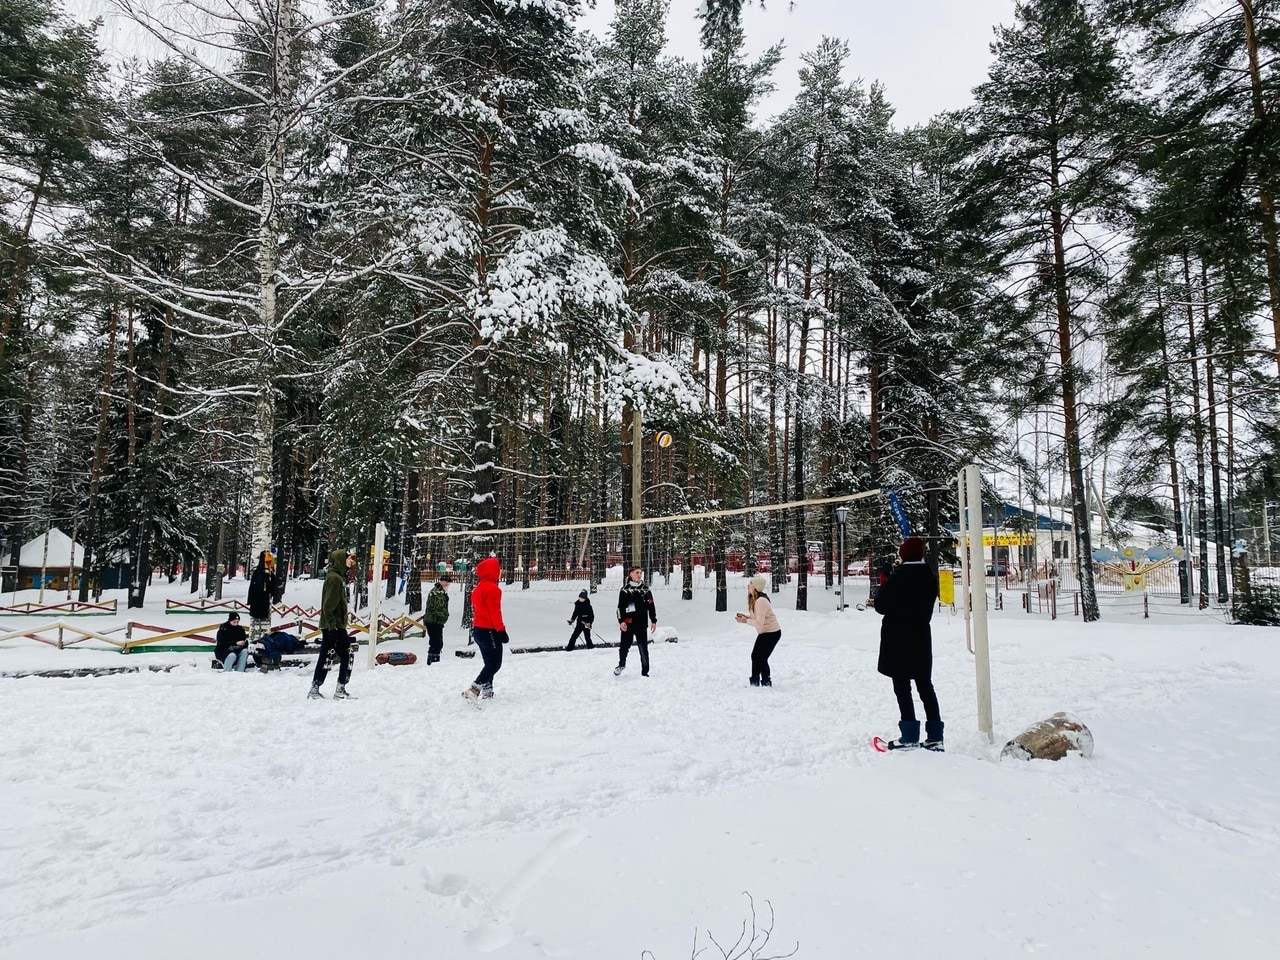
(1009, 539)
(947, 587)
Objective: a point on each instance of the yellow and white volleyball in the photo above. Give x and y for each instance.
(664, 439)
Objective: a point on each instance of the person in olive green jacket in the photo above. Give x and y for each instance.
(333, 626)
(436, 616)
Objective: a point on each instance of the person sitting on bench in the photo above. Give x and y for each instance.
(231, 648)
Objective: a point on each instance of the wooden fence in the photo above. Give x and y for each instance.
(210, 605)
(140, 636)
(62, 608)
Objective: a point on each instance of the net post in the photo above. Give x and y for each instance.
(978, 590)
(375, 592)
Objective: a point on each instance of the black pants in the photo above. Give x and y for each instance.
(579, 629)
(902, 689)
(340, 644)
(765, 642)
(640, 637)
(435, 639)
(490, 648)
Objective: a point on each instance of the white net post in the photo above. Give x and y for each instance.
(375, 592)
(971, 484)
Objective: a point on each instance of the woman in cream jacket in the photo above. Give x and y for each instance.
(760, 615)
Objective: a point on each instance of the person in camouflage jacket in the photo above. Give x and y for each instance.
(333, 625)
(436, 616)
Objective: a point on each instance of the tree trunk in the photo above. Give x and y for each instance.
(1171, 446)
(9, 311)
(1198, 432)
(1215, 458)
(1266, 199)
(1075, 466)
(275, 134)
(93, 561)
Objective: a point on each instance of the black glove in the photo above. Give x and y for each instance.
(502, 636)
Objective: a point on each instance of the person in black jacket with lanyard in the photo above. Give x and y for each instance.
(634, 602)
(906, 602)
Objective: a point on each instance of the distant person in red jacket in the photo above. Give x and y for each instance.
(487, 628)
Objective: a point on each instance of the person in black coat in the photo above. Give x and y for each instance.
(634, 603)
(231, 646)
(262, 587)
(906, 601)
(583, 617)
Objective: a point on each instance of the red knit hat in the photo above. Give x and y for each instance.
(912, 550)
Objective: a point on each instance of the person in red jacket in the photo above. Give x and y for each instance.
(487, 628)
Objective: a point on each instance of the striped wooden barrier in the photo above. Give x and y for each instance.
(140, 637)
(63, 634)
(209, 605)
(64, 608)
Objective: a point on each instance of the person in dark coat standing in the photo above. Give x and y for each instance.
(262, 588)
(333, 626)
(436, 616)
(906, 601)
(487, 628)
(634, 602)
(583, 617)
(231, 645)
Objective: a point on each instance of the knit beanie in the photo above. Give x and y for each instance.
(912, 550)
(760, 582)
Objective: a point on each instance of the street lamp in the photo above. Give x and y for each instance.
(842, 514)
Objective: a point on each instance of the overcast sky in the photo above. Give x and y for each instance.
(929, 54)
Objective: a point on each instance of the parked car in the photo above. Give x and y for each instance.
(1000, 569)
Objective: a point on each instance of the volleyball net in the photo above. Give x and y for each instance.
(796, 544)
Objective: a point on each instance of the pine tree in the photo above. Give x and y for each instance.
(1044, 130)
(51, 104)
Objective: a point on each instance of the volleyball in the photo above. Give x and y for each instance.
(664, 439)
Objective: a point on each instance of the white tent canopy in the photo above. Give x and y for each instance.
(60, 545)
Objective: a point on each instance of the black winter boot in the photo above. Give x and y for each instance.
(909, 738)
(933, 735)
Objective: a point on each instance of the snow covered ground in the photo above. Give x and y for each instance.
(576, 815)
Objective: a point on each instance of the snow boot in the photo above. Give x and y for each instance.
(766, 682)
(617, 671)
(472, 693)
(755, 681)
(433, 658)
(341, 693)
(486, 692)
(315, 693)
(909, 736)
(933, 736)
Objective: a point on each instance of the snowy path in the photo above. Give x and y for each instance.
(618, 815)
